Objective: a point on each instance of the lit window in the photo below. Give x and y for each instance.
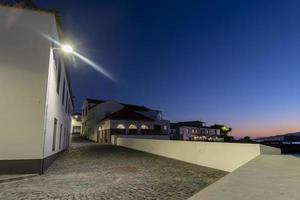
(165, 127)
(144, 126)
(132, 126)
(121, 126)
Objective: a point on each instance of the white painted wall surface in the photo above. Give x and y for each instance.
(27, 84)
(24, 62)
(55, 109)
(223, 156)
(95, 115)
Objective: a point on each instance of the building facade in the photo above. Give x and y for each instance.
(102, 119)
(194, 130)
(36, 95)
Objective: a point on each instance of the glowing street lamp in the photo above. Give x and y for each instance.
(67, 48)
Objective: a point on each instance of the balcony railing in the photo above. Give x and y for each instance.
(135, 132)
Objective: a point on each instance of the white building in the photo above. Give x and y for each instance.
(76, 123)
(194, 130)
(101, 119)
(35, 90)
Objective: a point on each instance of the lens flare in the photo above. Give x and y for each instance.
(69, 49)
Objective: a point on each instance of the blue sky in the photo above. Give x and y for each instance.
(231, 62)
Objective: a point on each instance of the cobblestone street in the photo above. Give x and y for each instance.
(94, 171)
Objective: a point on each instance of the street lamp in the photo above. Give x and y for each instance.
(67, 48)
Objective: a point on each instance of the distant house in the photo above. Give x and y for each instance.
(76, 123)
(102, 119)
(194, 130)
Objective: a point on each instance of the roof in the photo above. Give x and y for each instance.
(135, 107)
(95, 101)
(76, 113)
(127, 114)
(190, 123)
(127, 106)
(26, 4)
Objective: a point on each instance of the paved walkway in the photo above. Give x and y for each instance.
(274, 177)
(93, 171)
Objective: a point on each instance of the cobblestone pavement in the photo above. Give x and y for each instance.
(93, 171)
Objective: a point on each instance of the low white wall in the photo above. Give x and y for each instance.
(114, 138)
(223, 156)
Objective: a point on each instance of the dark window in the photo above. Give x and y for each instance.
(65, 138)
(54, 134)
(60, 135)
(58, 76)
(67, 105)
(63, 94)
(157, 127)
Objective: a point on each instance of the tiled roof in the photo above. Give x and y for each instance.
(95, 101)
(128, 114)
(190, 123)
(135, 107)
(25, 4)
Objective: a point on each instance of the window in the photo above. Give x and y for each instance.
(63, 94)
(58, 76)
(132, 126)
(120, 126)
(54, 134)
(76, 129)
(144, 126)
(67, 105)
(60, 135)
(65, 138)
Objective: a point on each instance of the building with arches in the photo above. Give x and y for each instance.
(102, 119)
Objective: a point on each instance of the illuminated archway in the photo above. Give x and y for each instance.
(144, 126)
(132, 126)
(120, 126)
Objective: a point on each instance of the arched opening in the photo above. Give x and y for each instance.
(132, 126)
(144, 126)
(120, 126)
(144, 129)
(132, 129)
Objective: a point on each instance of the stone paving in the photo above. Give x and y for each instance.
(90, 171)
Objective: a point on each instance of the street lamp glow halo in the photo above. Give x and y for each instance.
(67, 48)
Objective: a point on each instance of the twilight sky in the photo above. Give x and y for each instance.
(224, 61)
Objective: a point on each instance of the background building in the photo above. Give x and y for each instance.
(195, 130)
(35, 90)
(101, 119)
(76, 123)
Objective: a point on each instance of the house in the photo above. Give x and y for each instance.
(194, 130)
(102, 119)
(76, 123)
(36, 97)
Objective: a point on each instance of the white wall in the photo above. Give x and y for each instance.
(96, 114)
(27, 84)
(223, 156)
(24, 62)
(55, 109)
